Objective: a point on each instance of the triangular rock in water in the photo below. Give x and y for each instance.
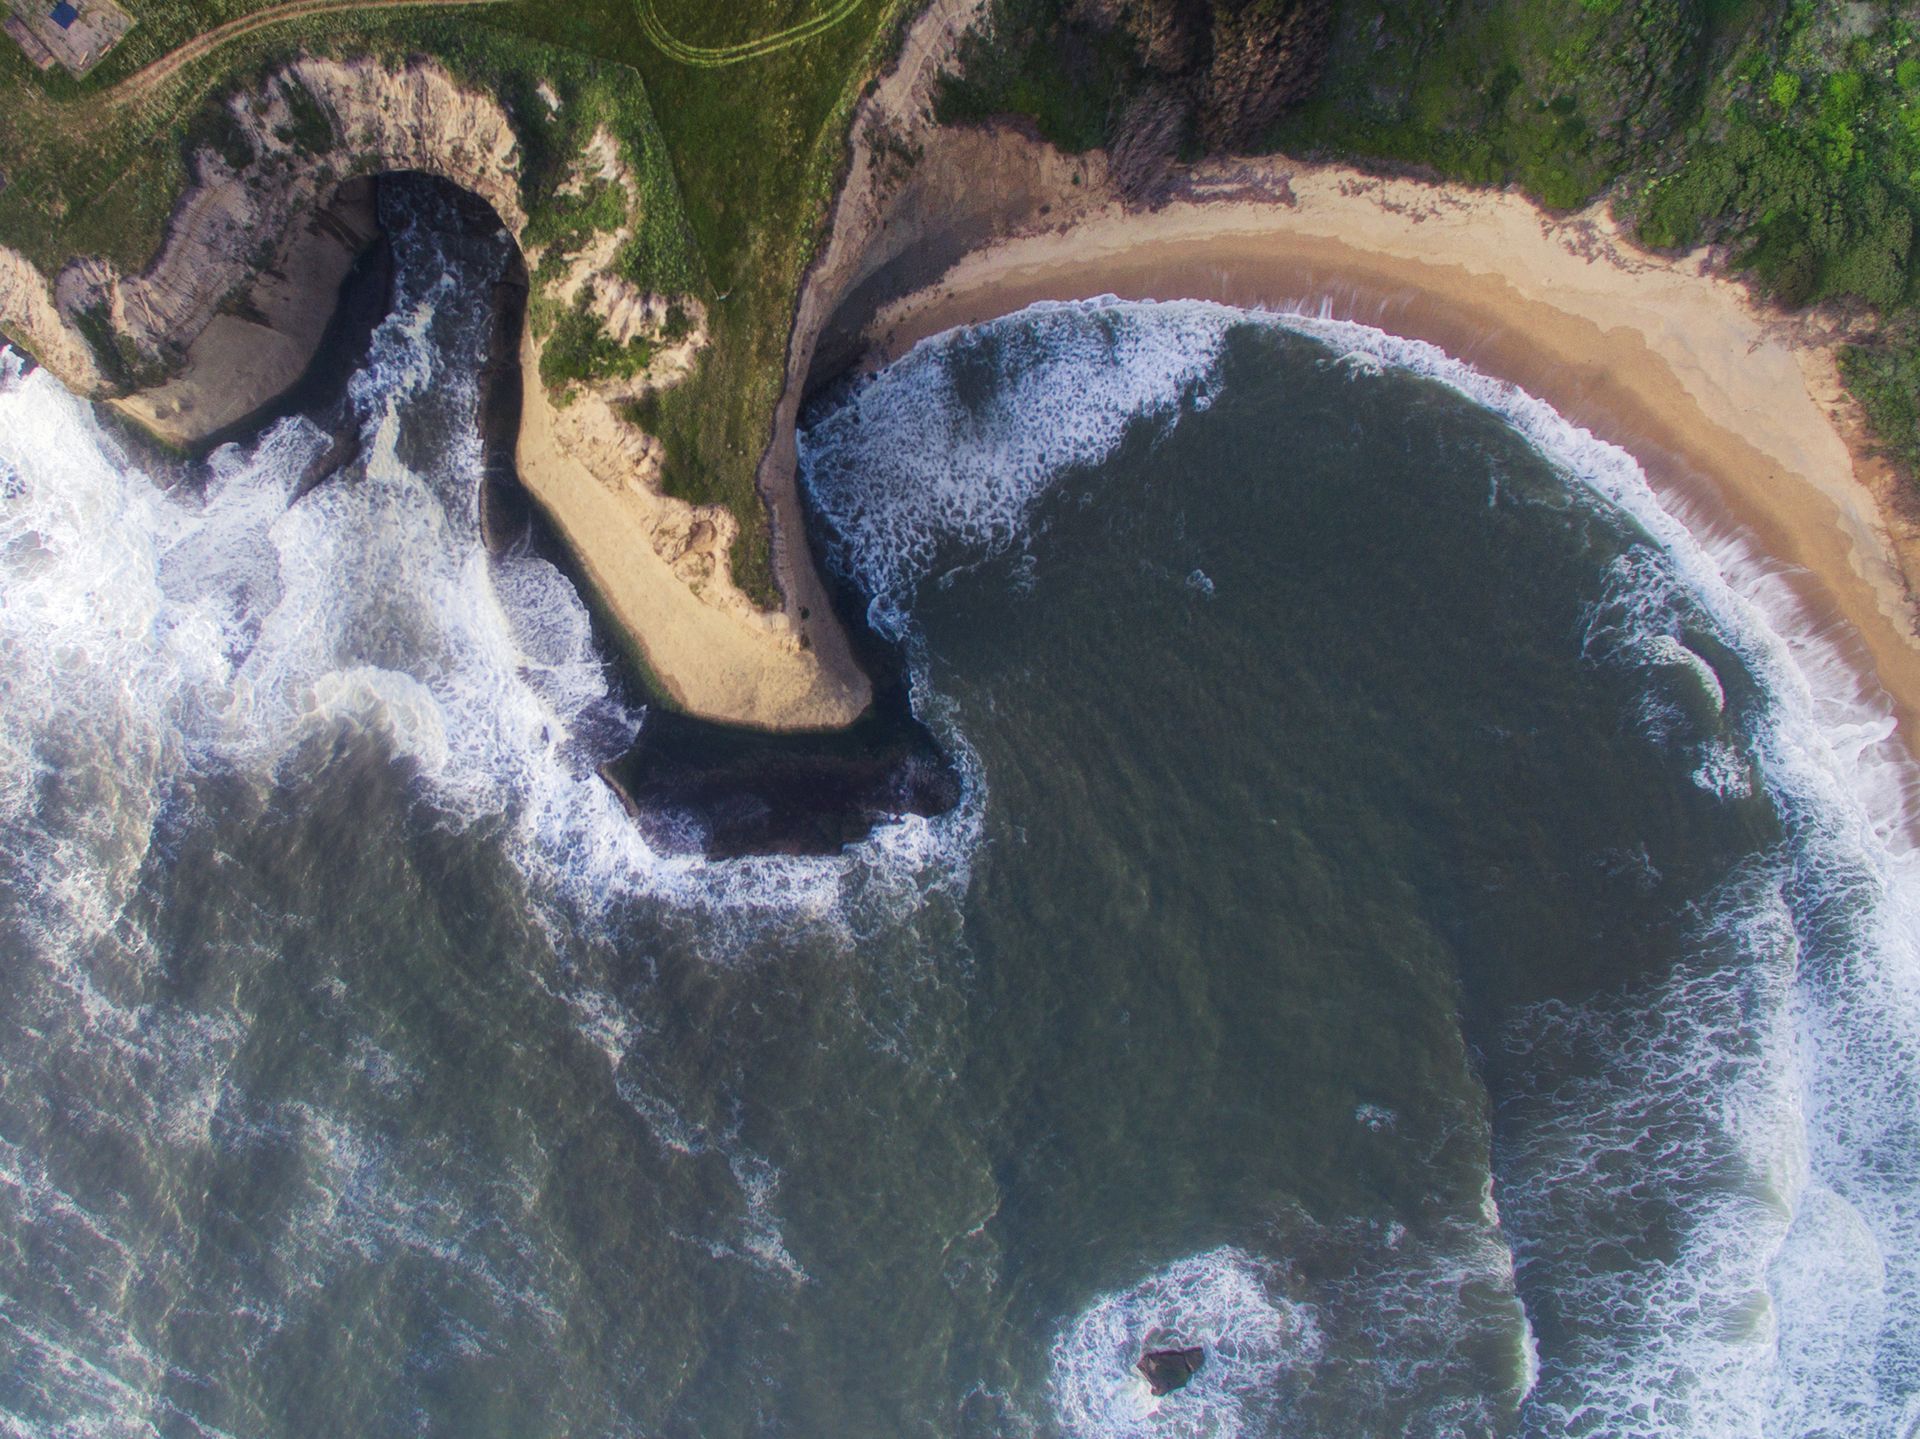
(1169, 1369)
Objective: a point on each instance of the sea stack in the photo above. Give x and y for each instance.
(1169, 1369)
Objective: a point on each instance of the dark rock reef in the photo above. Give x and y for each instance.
(1166, 1370)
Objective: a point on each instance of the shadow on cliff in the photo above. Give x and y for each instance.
(690, 784)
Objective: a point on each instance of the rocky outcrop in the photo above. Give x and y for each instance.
(1235, 64)
(259, 340)
(30, 317)
(1166, 1370)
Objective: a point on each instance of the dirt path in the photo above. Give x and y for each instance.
(143, 83)
(712, 57)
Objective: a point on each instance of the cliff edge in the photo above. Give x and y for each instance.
(233, 306)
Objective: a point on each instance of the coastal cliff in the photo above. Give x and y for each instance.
(650, 381)
(233, 306)
(1733, 402)
(231, 310)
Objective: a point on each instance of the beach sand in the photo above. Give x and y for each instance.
(659, 566)
(1735, 413)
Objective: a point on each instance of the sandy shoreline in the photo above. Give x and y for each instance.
(659, 567)
(1732, 411)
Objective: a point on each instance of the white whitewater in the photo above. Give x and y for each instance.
(160, 629)
(1794, 1307)
(153, 635)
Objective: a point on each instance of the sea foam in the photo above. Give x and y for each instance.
(165, 633)
(150, 635)
(1225, 1302)
(1794, 1305)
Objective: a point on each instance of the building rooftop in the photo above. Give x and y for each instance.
(74, 33)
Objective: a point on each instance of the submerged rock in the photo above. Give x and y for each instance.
(1169, 1369)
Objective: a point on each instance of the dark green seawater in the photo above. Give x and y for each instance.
(1413, 931)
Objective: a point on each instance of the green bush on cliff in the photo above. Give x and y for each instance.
(1816, 183)
(662, 254)
(1038, 59)
(1884, 377)
(579, 350)
(309, 129)
(215, 128)
(562, 227)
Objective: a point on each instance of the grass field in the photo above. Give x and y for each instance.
(740, 119)
(757, 149)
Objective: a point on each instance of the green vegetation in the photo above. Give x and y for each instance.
(310, 129)
(1037, 60)
(1814, 181)
(564, 225)
(1787, 131)
(1885, 379)
(578, 348)
(215, 128)
(1558, 98)
(736, 154)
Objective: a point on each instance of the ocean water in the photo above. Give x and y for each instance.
(1424, 923)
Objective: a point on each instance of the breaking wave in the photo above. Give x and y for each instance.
(152, 635)
(1226, 1303)
(170, 633)
(1771, 1095)
(154, 630)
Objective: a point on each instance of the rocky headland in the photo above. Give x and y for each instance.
(231, 311)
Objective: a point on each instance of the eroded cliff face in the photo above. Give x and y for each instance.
(380, 119)
(233, 305)
(232, 308)
(28, 314)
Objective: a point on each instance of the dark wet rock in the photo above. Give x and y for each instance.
(694, 785)
(1169, 1369)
